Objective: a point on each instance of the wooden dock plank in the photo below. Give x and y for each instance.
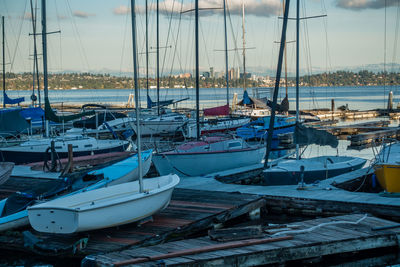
(320, 242)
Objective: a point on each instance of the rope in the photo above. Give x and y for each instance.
(308, 230)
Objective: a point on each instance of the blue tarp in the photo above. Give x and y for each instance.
(9, 101)
(246, 99)
(35, 114)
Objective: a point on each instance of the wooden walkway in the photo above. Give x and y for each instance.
(189, 212)
(320, 199)
(308, 239)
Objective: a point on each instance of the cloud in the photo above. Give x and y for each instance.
(123, 10)
(265, 8)
(365, 4)
(82, 14)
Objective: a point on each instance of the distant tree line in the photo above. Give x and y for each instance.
(23, 81)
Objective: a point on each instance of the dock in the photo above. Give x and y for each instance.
(307, 240)
(189, 212)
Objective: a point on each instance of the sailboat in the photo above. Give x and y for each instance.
(207, 154)
(252, 107)
(162, 122)
(36, 149)
(387, 167)
(13, 210)
(307, 170)
(14, 120)
(107, 207)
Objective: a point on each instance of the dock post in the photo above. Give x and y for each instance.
(70, 158)
(390, 101)
(53, 156)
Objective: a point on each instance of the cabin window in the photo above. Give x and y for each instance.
(89, 145)
(234, 145)
(74, 146)
(58, 147)
(178, 118)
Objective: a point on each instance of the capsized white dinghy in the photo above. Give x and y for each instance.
(104, 207)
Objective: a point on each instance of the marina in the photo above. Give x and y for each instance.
(193, 155)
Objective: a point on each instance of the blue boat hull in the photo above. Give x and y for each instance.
(293, 178)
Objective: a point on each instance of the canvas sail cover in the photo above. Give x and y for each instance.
(151, 104)
(51, 116)
(217, 111)
(11, 122)
(10, 101)
(306, 135)
(251, 101)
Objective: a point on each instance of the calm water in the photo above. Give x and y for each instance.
(362, 98)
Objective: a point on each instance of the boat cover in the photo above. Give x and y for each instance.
(251, 101)
(21, 200)
(307, 135)
(217, 111)
(90, 123)
(163, 103)
(35, 114)
(11, 101)
(11, 122)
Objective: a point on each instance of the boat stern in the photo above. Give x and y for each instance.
(48, 220)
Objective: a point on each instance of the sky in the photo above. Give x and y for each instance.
(96, 35)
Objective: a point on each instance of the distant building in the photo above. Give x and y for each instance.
(232, 74)
(212, 72)
(185, 75)
(248, 75)
(206, 74)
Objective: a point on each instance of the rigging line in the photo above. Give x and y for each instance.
(18, 39)
(384, 58)
(127, 15)
(396, 40)
(396, 35)
(59, 26)
(205, 44)
(75, 29)
(176, 49)
(233, 36)
(166, 43)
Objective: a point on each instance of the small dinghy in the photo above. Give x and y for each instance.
(104, 207)
(13, 213)
(5, 171)
(288, 172)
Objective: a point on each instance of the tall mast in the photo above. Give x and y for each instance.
(158, 60)
(226, 56)
(35, 57)
(286, 82)
(297, 68)
(197, 68)
(44, 52)
(147, 51)
(244, 49)
(277, 80)
(135, 78)
(4, 62)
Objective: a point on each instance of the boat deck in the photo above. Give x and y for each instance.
(309, 240)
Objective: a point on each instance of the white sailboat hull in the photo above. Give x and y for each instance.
(197, 164)
(102, 208)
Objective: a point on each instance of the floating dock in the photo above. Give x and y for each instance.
(190, 211)
(308, 240)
